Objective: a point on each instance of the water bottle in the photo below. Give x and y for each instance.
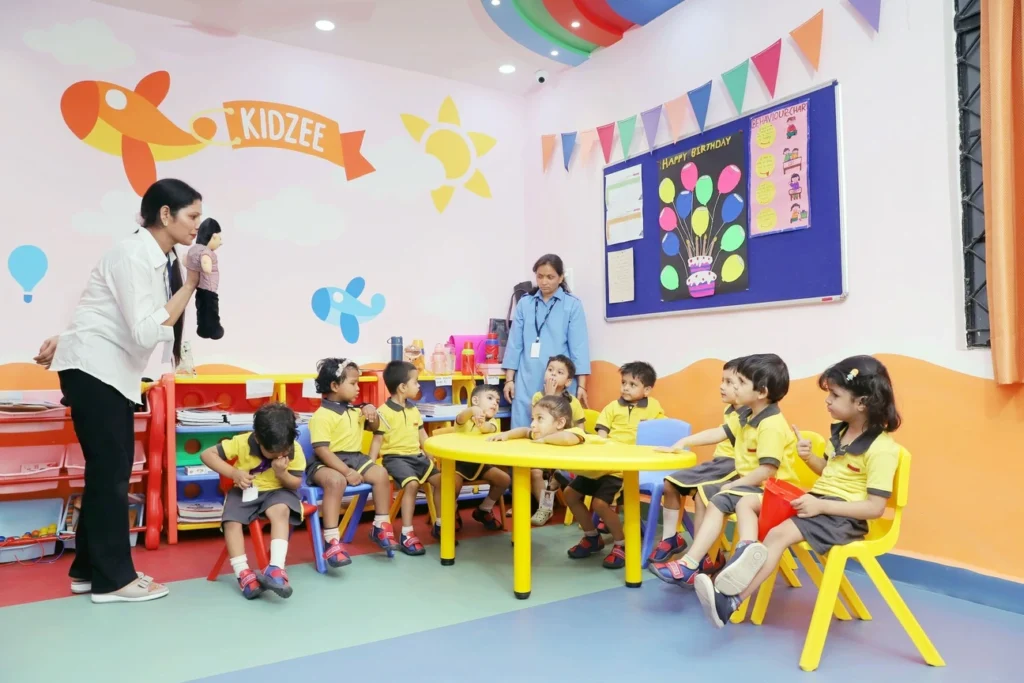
(468, 360)
(491, 349)
(397, 348)
(439, 362)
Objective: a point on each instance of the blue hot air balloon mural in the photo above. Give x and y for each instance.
(342, 307)
(27, 265)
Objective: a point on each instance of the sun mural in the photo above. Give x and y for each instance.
(456, 149)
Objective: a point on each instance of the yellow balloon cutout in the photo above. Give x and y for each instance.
(701, 218)
(732, 268)
(666, 191)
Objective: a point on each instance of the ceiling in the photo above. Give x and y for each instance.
(466, 40)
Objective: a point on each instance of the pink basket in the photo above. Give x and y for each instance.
(74, 461)
(18, 463)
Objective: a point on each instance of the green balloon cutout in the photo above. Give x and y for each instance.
(669, 278)
(733, 268)
(704, 189)
(733, 238)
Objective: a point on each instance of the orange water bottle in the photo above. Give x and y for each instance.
(468, 360)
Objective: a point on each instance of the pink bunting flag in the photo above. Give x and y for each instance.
(675, 112)
(586, 141)
(652, 121)
(547, 147)
(606, 134)
(767, 64)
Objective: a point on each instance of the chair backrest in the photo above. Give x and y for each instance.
(303, 439)
(664, 432)
(885, 531)
(590, 423)
(901, 482)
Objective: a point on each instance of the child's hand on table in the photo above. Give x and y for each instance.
(243, 479)
(498, 437)
(669, 449)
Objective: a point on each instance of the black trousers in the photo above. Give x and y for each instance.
(104, 423)
(208, 315)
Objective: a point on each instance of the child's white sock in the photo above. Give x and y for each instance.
(590, 533)
(619, 543)
(487, 505)
(380, 519)
(239, 564)
(547, 500)
(406, 530)
(278, 552)
(670, 522)
(332, 535)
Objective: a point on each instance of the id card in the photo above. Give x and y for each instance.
(250, 494)
(535, 349)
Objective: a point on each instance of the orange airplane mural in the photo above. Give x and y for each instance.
(129, 124)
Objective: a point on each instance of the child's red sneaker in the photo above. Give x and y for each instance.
(586, 547)
(249, 584)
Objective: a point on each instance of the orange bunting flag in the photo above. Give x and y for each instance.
(807, 37)
(675, 112)
(586, 141)
(547, 148)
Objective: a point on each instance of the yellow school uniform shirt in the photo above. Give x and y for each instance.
(733, 420)
(339, 426)
(470, 427)
(621, 419)
(767, 439)
(400, 428)
(577, 408)
(246, 453)
(866, 466)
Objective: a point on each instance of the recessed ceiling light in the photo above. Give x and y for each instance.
(495, 2)
(507, 69)
(575, 24)
(554, 53)
(325, 25)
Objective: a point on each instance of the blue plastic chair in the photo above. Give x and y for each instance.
(314, 495)
(656, 433)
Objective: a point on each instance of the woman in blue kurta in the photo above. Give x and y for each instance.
(547, 322)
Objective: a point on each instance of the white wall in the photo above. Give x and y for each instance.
(901, 187)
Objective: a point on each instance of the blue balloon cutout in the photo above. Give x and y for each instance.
(731, 208)
(27, 265)
(670, 244)
(684, 204)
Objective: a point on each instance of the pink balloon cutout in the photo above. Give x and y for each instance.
(728, 179)
(688, 176)
(667, 219)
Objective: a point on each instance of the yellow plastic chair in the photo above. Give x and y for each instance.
(881, 538)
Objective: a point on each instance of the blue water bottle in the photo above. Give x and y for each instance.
(397, 348)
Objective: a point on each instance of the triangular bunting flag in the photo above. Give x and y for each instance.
(871, 10)
(735, 80)
(586, 141)
(626, 129)
(568, 144)
(699, 99)
(605, 134)
(547, 146)
(767, 64)
(675, 112)
(807, 37)
(652, 121)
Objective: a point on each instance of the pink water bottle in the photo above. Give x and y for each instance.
(439, 361)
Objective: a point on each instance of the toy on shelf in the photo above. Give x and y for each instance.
(202, 257)
(414, 354)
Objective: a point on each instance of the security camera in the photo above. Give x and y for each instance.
(541, 76)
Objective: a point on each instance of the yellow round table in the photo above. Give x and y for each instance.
(522, 455)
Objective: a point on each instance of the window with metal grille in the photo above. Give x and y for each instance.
(972, 190)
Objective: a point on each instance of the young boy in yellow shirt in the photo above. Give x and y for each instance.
(336, 435)
(266, 466)
(399, 439)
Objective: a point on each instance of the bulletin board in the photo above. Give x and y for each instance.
(746, 214)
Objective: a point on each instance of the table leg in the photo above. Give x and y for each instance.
(447, 512)
(521, 531)
(631, 527)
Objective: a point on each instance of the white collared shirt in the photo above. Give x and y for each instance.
(119, 319)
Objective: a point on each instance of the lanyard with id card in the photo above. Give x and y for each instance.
(535, 347)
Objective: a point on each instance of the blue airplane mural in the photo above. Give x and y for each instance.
(342, 307)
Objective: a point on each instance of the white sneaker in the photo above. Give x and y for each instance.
(541, 516)
(81, 586)
(141, 590)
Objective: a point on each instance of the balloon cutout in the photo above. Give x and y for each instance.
(731, 208)
(732, 268)
(733, 238)
(667, 218)
(666, 190)
(704, 189)
(729, 178)
(670, 244)
(701, 219)
(669, 278)
(689, 176)
(27, 265)
(684, 204)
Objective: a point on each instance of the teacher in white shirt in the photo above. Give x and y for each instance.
(134, 301)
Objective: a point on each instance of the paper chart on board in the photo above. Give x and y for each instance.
(621, 278)
(624, 205)
(779, 185)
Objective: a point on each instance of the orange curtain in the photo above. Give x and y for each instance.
(1002, 143)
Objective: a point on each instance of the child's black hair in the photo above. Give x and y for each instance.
(207, 229)
(396, 373)
(865, 377)
(641, 371)
(558, 406)
(481, 389)
(767, 372)
(331, 370)
(274, 427)
(733, 364)
(567, 362)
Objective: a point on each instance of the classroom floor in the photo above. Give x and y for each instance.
(412, 618)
